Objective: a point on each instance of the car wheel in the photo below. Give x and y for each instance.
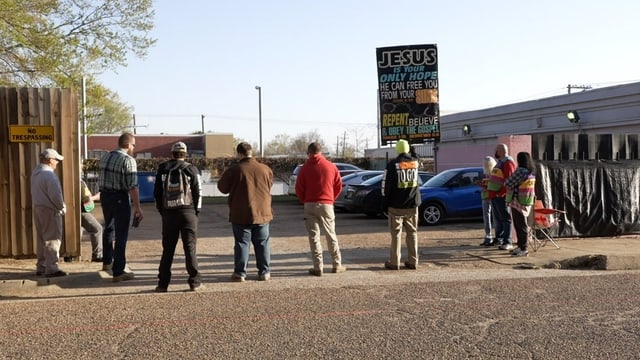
(431, 214)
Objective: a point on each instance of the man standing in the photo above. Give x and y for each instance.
(179, 214)
(317, 186)
(89, 222)
(504, 168)
(118, 182)
(401, 198)
(48, 210)
(248, 184)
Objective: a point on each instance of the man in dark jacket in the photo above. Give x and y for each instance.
(248, 184)
(401, 198)
(179, 215)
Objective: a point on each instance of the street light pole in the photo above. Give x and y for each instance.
(260, 118)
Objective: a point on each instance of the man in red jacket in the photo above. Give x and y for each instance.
(317, 186)
(497, 192)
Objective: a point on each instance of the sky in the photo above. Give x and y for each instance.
(315, 61)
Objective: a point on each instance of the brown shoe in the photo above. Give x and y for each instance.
(56, 274)
(125, 276)
(389, 266)
(315, 272)
(409, 265)
(235, 277)
(339, 269)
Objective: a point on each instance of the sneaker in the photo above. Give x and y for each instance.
(123, 277)
(389, 266)
(487, 242)
(235, 277)
(520, 252)
(107, 267)
(198, 287)
(264, 277)
(409, 265)
(56, 274)
(315, 272)
(39, 272)
(160, 289)
(339, 269)
(96, 259)
(506, 246)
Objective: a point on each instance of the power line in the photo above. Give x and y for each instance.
(248, 118)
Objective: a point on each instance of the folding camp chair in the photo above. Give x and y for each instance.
(544, 219)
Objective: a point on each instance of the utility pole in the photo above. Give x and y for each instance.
(337, 145)
(344, 142)
(134, 124)
(84, 118)
(202, 118)
(259, 88)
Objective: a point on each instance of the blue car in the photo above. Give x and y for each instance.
(450, 194)
(366, 197)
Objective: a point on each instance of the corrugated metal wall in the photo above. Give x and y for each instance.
(33, 106)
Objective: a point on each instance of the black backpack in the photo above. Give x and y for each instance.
(177, 188)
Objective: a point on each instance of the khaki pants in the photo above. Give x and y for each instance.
(48, 224)
(319, 217)
(409, 219)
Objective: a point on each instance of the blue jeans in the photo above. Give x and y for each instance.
(245, 235)
(503, 220)
(116, 210)
(489, 219)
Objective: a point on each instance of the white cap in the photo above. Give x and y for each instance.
(51, 154)
(179, 147)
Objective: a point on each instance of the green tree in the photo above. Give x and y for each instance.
(56, 42)
(301, 141)
(280, 145)
(106, 113)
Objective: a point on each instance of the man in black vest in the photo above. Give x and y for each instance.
(180, 219)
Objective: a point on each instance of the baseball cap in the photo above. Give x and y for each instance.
(179, 147)
(402, 147)
(51, 154)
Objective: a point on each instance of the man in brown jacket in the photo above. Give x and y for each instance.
(248, 184)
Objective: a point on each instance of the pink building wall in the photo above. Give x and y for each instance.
(452, 155)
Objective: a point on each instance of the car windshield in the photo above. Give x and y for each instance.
(373, 180)
(349, 177)
(441, 179)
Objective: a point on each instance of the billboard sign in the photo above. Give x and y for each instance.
(408, 93)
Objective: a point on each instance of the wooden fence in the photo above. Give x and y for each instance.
(36, 110)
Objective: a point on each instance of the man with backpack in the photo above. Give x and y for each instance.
(177, 193)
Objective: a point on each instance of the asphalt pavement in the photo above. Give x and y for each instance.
(463, 301)
(364, 245)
